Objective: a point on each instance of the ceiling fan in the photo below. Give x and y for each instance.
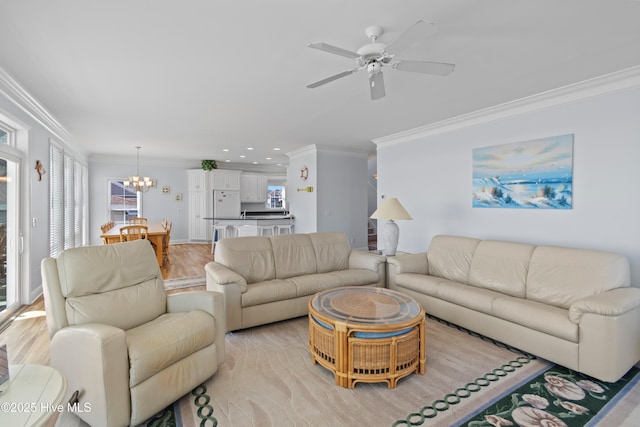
(375, 55)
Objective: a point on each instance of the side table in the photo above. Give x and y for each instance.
(32, 396)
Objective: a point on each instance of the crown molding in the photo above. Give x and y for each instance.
(10, 88)
(328, 149)
(609, 83)
(303, 151)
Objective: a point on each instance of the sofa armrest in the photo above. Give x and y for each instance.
(94, 360)
(364, 260)
(209, 302)
(611, 303)
(407, 263)
(221, 275)
(232, 286)
(609, 324)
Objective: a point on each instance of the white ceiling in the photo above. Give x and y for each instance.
(187, 79)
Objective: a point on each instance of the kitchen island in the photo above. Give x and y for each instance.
(253, 225)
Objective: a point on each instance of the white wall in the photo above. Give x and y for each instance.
(339, 198)
(34, 193)
(155, 205)
(342, 194)
(431, 175)
(303, 205)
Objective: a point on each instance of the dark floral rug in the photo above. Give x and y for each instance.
(559, 397)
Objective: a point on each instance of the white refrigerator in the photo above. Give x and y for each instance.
(226, 204)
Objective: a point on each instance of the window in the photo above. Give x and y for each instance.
(275, 197)
(123, 202)
(68, 201)
(4, 137)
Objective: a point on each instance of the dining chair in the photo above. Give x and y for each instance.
(129, 233)
(165, 243)
(138, 220)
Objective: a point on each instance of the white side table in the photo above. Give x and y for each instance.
(34, 395)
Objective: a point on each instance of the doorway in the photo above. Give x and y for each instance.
(10, 239)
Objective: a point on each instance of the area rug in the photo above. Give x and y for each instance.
(185, 282)
(268, 379)
(558, 397)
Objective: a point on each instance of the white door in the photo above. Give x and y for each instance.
(10, 239)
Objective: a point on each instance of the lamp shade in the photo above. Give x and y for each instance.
(391, 209)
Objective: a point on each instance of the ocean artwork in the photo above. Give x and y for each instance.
(536, 174)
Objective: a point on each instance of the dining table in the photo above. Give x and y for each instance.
(155, 233)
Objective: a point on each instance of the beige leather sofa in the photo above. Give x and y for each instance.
(570, 306)
(272, 278)
(118, 339)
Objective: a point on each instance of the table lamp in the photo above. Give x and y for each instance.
(390, 209)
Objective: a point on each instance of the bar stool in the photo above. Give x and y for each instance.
(247, 230)
(222, 232)
(267, 228)
(284, 228)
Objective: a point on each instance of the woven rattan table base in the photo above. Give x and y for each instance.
(365, 335)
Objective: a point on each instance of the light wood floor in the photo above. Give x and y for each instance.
(27, 338)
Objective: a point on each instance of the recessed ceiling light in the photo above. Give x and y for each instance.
(255, 163)
(227, 161)
(249, 148)
(276, 149)
(225, 149)
(268, 158)
(242, 156)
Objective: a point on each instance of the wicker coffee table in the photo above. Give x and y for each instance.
(365, 334)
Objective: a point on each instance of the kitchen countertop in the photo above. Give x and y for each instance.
(251, 218)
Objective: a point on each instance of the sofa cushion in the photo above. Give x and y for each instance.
(250, 257)
(421, 283)
(166, 340)
(268, 291)
(561, 276)
(450, 257)
(467, 296)
(501, 266)
(356, 277)
(313, 283)
(537, 316)
(293, 255)
(332, 251)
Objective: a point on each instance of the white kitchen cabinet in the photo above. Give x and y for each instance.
(197, 179)
(253, 188)
(198, 226)
(225, 180)
(200, 200)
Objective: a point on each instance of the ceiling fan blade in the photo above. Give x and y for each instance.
(425, 67)
(332, 78)
(376, 85)
(419, 31)
(333, 49)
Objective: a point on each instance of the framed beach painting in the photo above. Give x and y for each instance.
(535, 174)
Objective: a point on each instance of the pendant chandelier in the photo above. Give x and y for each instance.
(137, 182)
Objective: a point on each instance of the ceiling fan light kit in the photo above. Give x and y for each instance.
(375, 55)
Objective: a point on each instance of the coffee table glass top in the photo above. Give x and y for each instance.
(365, 305)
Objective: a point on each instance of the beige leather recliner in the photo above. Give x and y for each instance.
(126, 346)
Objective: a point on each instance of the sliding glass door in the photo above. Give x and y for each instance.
(10, 239)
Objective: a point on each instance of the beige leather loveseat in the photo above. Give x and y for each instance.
(570, 306)
(118, 339)
(271, 278)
